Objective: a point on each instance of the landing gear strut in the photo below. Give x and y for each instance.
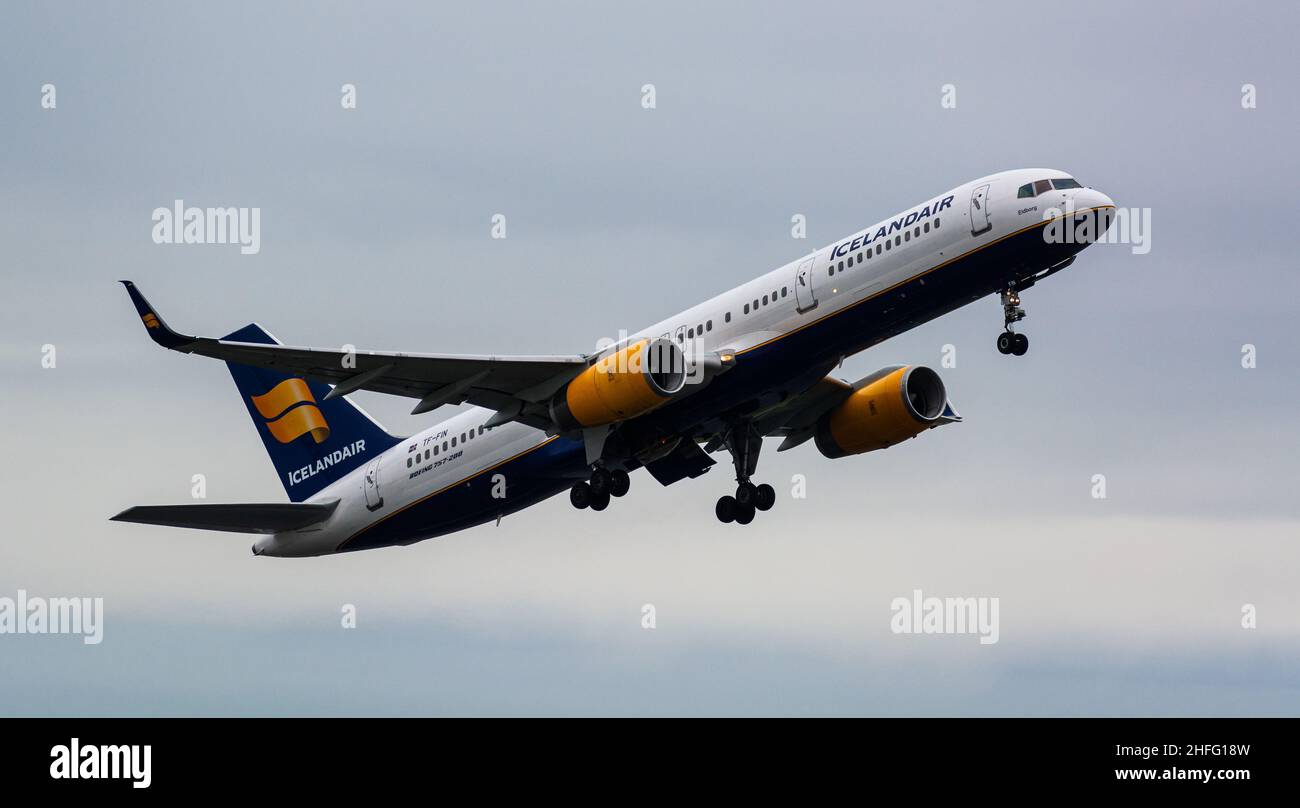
(1009, 342)
(744, 444)
(595, 492)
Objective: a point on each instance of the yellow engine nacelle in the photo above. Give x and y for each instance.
(891, 409)
(627, 383)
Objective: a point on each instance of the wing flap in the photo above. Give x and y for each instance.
(267, 517)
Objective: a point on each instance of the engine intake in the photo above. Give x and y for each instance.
(889, 410)
(627, 383)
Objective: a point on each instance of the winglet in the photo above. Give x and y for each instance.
(154, 325)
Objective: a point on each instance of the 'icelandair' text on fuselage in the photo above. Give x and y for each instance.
(337, 456)
(896, 226)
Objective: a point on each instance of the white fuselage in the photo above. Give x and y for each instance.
(802, 292)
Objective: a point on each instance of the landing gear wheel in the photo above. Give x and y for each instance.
(619, 482)
(726, 509)
(744, 514)
(1010, 342)
(600, 502)
(580, 496)
(600, 481)
(746, 493)
(764, 497)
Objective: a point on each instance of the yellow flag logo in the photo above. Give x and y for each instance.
(296, 422)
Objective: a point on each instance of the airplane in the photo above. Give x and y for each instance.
(750, 363)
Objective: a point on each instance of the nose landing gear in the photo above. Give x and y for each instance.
(1009, 342)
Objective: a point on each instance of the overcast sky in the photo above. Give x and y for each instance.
(376, 232)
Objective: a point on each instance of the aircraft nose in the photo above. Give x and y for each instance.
(1101, 205)
(1092, 198)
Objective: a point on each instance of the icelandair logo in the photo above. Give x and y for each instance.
(296, 422)
(897, 226)
(151, 321)
(328, 461)
(290, 411)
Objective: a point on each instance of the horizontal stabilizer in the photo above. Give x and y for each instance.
(270, 517)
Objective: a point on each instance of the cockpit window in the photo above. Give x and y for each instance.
(1033, 189)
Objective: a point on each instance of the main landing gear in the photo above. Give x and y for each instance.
(1009, 342)
(749, 499)
(744, 444)
(595, 492)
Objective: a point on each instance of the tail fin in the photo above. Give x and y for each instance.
(312, 441)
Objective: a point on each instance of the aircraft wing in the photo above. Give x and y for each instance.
(503, 383)
(271, 517)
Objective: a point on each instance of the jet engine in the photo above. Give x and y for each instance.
(624, 384)
(888, 410)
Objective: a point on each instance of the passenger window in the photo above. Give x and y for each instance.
(850, 260)
(453, 441)
(727, 318)
(783, 290)
(889, 245)
(755, 304)
(898, 240)
(699, 329)
(917, 232)
(408, 462)
(435, 450)
(747, 308)
(907, 236)
(764, 300)
(708, 326)
(927, 227)
(444, 446)
(936, 224)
